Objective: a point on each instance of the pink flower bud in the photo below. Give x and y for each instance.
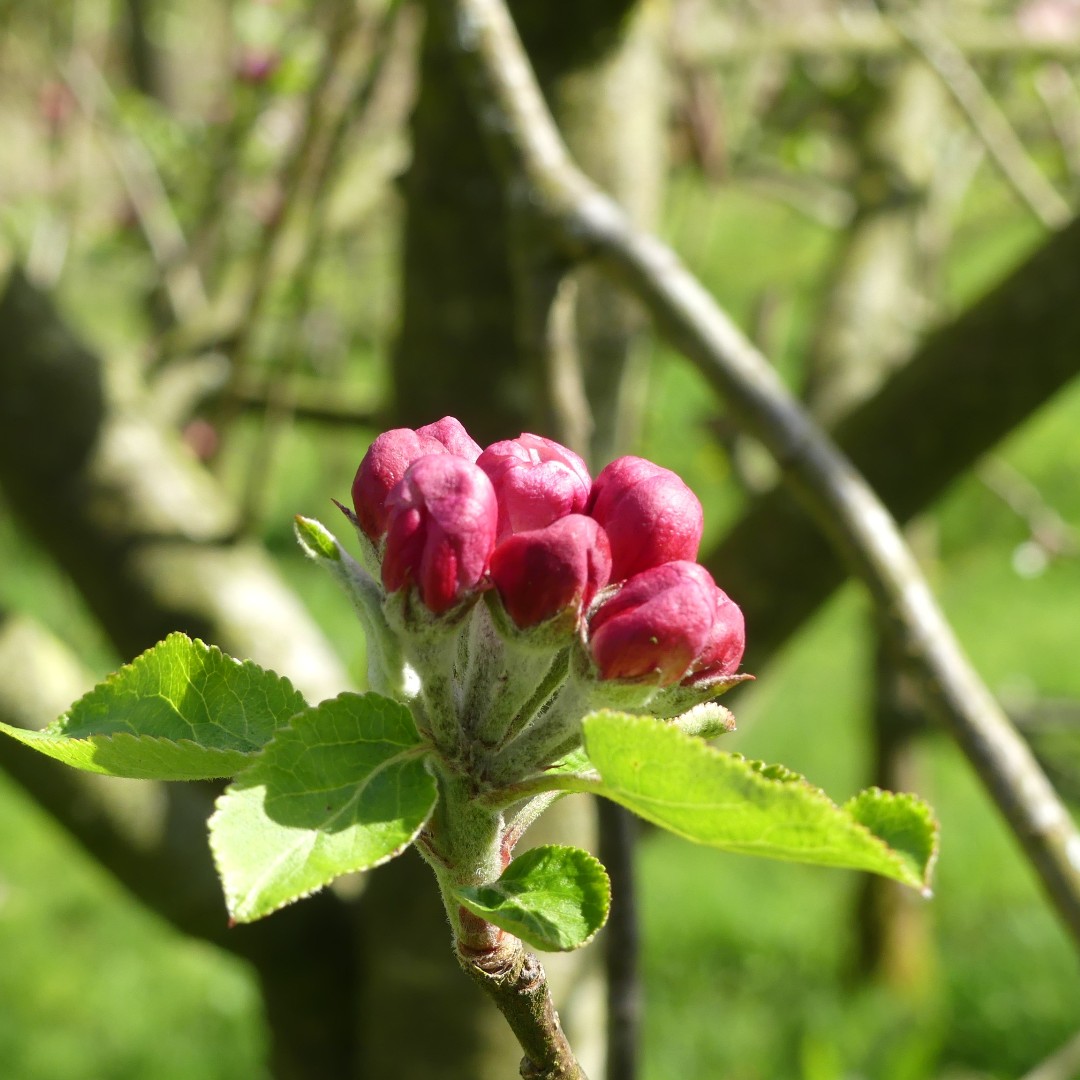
(440, 529)
(391, 454)
(452, 434)
(543, 572)
(537, 482)
(723, 651)
(656, 625)
(651, 517)
(380, 471)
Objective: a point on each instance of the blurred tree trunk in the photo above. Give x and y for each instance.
(147, 536)
(464, 350)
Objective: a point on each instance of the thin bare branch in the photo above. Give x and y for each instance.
(141, 180)
(538, 172)
(1047, 527)
(1056, 86)
(987, 120)
(721, 38)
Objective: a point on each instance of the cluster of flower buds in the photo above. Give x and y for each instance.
(587, 582)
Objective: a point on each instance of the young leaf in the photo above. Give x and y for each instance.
(180, 711)
(553, 898)
(720, 799)
(344, 787)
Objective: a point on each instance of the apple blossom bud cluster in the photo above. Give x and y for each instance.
(538, 589)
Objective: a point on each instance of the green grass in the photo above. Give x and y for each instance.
(92, 985)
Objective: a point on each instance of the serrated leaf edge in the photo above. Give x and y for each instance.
(921, 806)
(757, 776)
(56, 727)
(462, 894)
(241, 914)
(34, 739)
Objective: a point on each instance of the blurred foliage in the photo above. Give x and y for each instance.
(747, 963)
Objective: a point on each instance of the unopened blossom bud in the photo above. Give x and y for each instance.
(544, 572)
(452, 434)
(390, 455)
(440, 530)
(651, 517)
(723, 651)
(537, 481)
(656, 625)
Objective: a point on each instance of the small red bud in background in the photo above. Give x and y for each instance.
(440, 532)
(651, 517)
(656, 625)
(202, 438)
(541, 573)
(255, 66)
(537, 482)
(56, 104)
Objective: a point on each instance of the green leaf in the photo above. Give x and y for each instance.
(180, 711)
(576, 762)
(553, 898)
(720, 799)
(344, 787)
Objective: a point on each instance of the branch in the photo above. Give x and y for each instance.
(515, 980)
(150, 200)
(719, 39)
(538, 171)
(906, 439)
(1061, 98)
(147, 536)
(987, 120)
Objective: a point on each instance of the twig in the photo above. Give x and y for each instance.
(344, 90)
(147, 193)
(859, 33)
(1057, 88)
(987, 120)
(1047, 527)
(515, 980)
(306, 162)
(538, 170)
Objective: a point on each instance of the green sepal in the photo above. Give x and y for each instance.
(553, 898)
